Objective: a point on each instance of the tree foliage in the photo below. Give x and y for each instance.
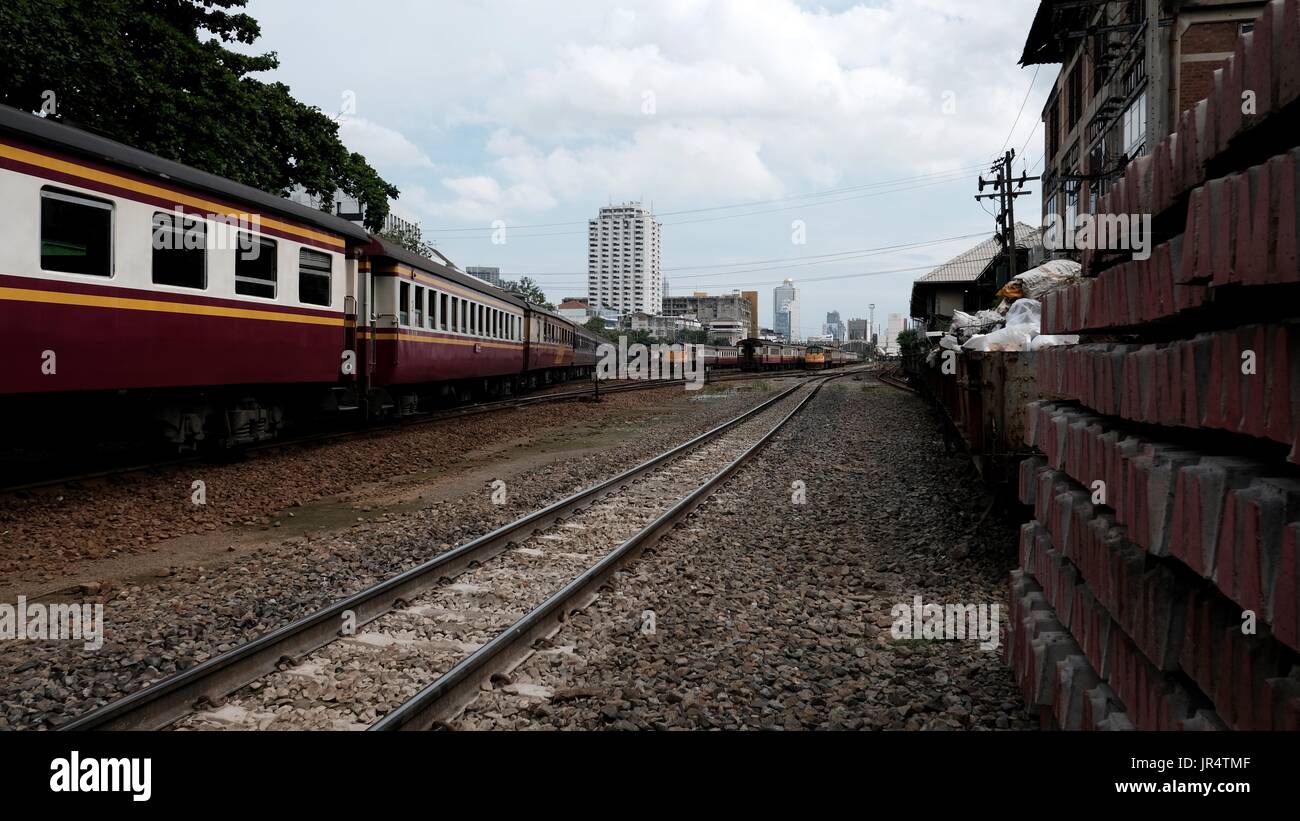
(529, 290)
(596, 325)
(157, 75)
(909, 342)
(412, 239)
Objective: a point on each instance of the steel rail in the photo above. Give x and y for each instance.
(445, 697)
(161, 703)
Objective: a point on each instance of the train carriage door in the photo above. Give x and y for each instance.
(352, 314)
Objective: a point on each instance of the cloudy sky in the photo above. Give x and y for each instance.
(774, 138)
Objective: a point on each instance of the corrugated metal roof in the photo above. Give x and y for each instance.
(968, 266)
(94, 147)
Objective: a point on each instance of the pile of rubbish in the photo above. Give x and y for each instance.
(1016, 324)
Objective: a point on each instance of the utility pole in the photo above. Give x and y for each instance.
(1006, 188)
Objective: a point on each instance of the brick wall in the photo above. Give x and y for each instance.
(1159, 582)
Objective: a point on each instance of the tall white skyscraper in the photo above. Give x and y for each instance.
(896, 325)
(623, 268)
(785, 310)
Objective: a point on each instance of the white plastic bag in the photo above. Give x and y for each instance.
(1027, 312)
(1017, 338)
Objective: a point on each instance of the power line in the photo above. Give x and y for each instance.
(942, 176)
(783, 263)
(1028, 91)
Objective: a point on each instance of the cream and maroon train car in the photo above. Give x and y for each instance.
(551, 339)
(137, 289)
(435, 332)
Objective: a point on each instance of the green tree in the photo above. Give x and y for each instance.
(411, 239)
(596, 325)
(156, 75)
(529, 290)
(909, 342)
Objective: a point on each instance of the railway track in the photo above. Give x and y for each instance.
(893, 379)
(412, 651)
(420, 419)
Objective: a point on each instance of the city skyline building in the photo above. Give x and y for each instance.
(785, 310)
(624, 272)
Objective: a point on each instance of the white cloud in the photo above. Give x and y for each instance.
(383, 147)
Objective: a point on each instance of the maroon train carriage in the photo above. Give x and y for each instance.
(235, 314)
(432, 332)
(143, 300)
(720, 357)
(759, 355)
(550, 347)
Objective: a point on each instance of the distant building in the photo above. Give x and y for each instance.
(897, 323)
(492, 276)
(752, 296)
(707, 309)
(769, 335)
(623, 268)
(834, 328)
(731, 330)
(351, 209)
(576, 309)
(785, 311)
(859, 330)
(666, 328)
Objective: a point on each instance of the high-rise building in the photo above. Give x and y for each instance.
(492, 276)
(623, 268)
(859, 330)
(895, 327)
(785, 310)
(834, 328)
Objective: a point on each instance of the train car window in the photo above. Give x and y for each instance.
(442, 311)
(419, 307)
(255, 266)
(314, 271)
(180, 251)
(404, 304)
(461, 312)
(76, 234)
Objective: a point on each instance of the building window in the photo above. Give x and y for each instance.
(76, 234)
(180, 255)
(255, 268)
(1135, 127)
(314, 270)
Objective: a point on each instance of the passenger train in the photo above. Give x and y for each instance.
(138, 293)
